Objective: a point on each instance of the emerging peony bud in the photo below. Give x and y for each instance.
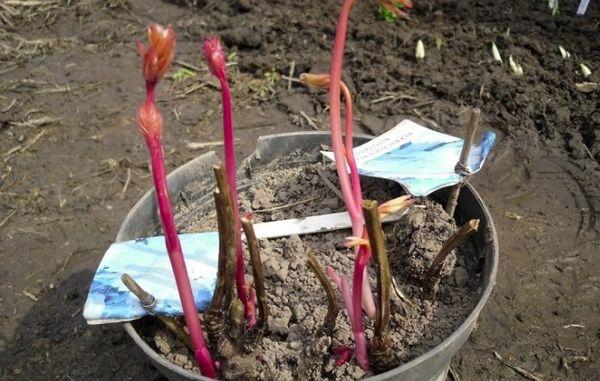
(319, 81)
(149, 120)
(344, 354)
(396, 205)
(158, 56)
(350, 242)
(215, 56)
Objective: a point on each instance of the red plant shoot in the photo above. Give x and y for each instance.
(351, 194)
(322, 81)
(361, 294)
(395, 6)
(352, 304)
(344, 354)
(215, 57)
(156, 60)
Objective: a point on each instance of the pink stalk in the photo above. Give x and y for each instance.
(344, 354)
(176, 258)
(351, 192)
(354, 209)
(344, 156)
(215, 56)
(156, 60)
(362, 259)
(349, 147)
(368, 302)
(352, 305)
(335, 278)
(321, 81)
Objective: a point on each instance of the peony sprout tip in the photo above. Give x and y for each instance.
(159, 54)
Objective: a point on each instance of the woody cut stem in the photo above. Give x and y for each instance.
(148, 302)
(381, 353)
(435, 270)
(452, 243)
(332, 305)
(463, 163)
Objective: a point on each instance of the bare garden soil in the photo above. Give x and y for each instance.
(72, 163)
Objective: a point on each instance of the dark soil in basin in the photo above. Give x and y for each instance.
(291, 349)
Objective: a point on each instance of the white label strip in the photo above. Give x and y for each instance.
(583, 7)
(307, 225)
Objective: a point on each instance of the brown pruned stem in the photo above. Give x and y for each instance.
(220, 285)
(434, 272)
(215, 316)
(148, 302)
(224, 283)
(146, 299)
(221, 176)
(381, 351)
(227, 236)
(333, 308)
(462, 161)
(452, 243)
(257, 273)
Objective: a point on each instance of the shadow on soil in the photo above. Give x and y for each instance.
(53, 341)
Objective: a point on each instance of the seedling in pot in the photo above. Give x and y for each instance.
(350, 185)
(360, 295)
(156, 60)
(215, 57)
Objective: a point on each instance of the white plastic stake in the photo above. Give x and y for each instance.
(306, 225)
(583, 7)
